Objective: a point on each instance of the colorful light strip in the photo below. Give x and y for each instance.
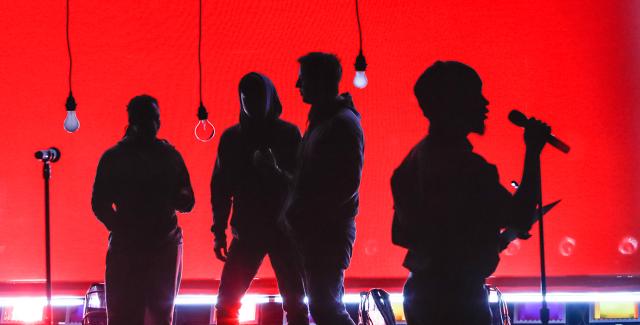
(194, 299)
(56, 301)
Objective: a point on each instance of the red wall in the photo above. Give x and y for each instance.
(571, 63)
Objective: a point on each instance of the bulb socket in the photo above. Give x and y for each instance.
(71, 103)
(361, 63)
(202, 112)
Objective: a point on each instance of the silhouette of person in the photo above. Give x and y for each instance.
(449, 204)
(253, 173)
(140, 184)
(324, 201)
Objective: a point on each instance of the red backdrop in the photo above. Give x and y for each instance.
(571, 63)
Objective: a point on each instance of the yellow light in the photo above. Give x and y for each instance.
(616, 310)
(398, 311)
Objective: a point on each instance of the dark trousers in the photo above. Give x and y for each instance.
(142, 284)
(430, 299)
(326, 255)
(243, 261)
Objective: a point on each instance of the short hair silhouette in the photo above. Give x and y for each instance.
(324, 67)
(442, 83)
(142, 110)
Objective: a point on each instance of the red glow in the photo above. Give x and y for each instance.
(571, 63)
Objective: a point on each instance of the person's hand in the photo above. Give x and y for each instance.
(536, 134)
(220, 248)
(265, 160)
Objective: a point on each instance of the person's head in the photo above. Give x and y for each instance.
(144, 117)
(253, 96)
(319, 77)
(450, 95)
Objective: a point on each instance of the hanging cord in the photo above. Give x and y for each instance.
(71, 102)
(202, 111)
(359, 26)
(361, 63)
(69, 47)
(200, 49)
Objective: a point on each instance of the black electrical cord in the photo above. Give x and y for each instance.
(200, 50)
(359, 26)
(202, 111)
(69, 48)
(361, 62)
(71, 102)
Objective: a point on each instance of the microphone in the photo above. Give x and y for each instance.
(518, 118)
(52, 154)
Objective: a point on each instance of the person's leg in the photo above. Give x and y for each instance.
(325, 290)
(163, 282)
(286, 265)
(325, 259)
(124, 278)
(414, 302)
(431, 299)
(477, 309)
(242, 264)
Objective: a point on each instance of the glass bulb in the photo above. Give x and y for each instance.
(360, 80)
(71, 123)
(628, 245)
(204, 130)
(567, 246)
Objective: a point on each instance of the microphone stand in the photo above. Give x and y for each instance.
(46, 173)
(544, 310)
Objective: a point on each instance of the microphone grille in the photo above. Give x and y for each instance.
(516, 117)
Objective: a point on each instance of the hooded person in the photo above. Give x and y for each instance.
(140, 184)
(251, 181)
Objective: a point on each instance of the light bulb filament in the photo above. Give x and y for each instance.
(204, 130)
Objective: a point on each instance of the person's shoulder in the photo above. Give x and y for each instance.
(286, 128)
(114, 154)
(113, 151)
(346, 121)
(230, 133)
(167, 147)
(410, 161)
(347, 115)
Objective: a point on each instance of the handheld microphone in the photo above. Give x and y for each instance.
(52, 154)
(518, 118)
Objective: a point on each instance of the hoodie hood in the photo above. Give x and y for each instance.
(271, 105)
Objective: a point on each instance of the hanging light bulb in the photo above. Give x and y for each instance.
(204, 130)
(360, 80)
(71, 123)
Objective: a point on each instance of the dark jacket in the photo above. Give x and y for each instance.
(257, 198)
(137, 190)
(326, 184)
(449, 208)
